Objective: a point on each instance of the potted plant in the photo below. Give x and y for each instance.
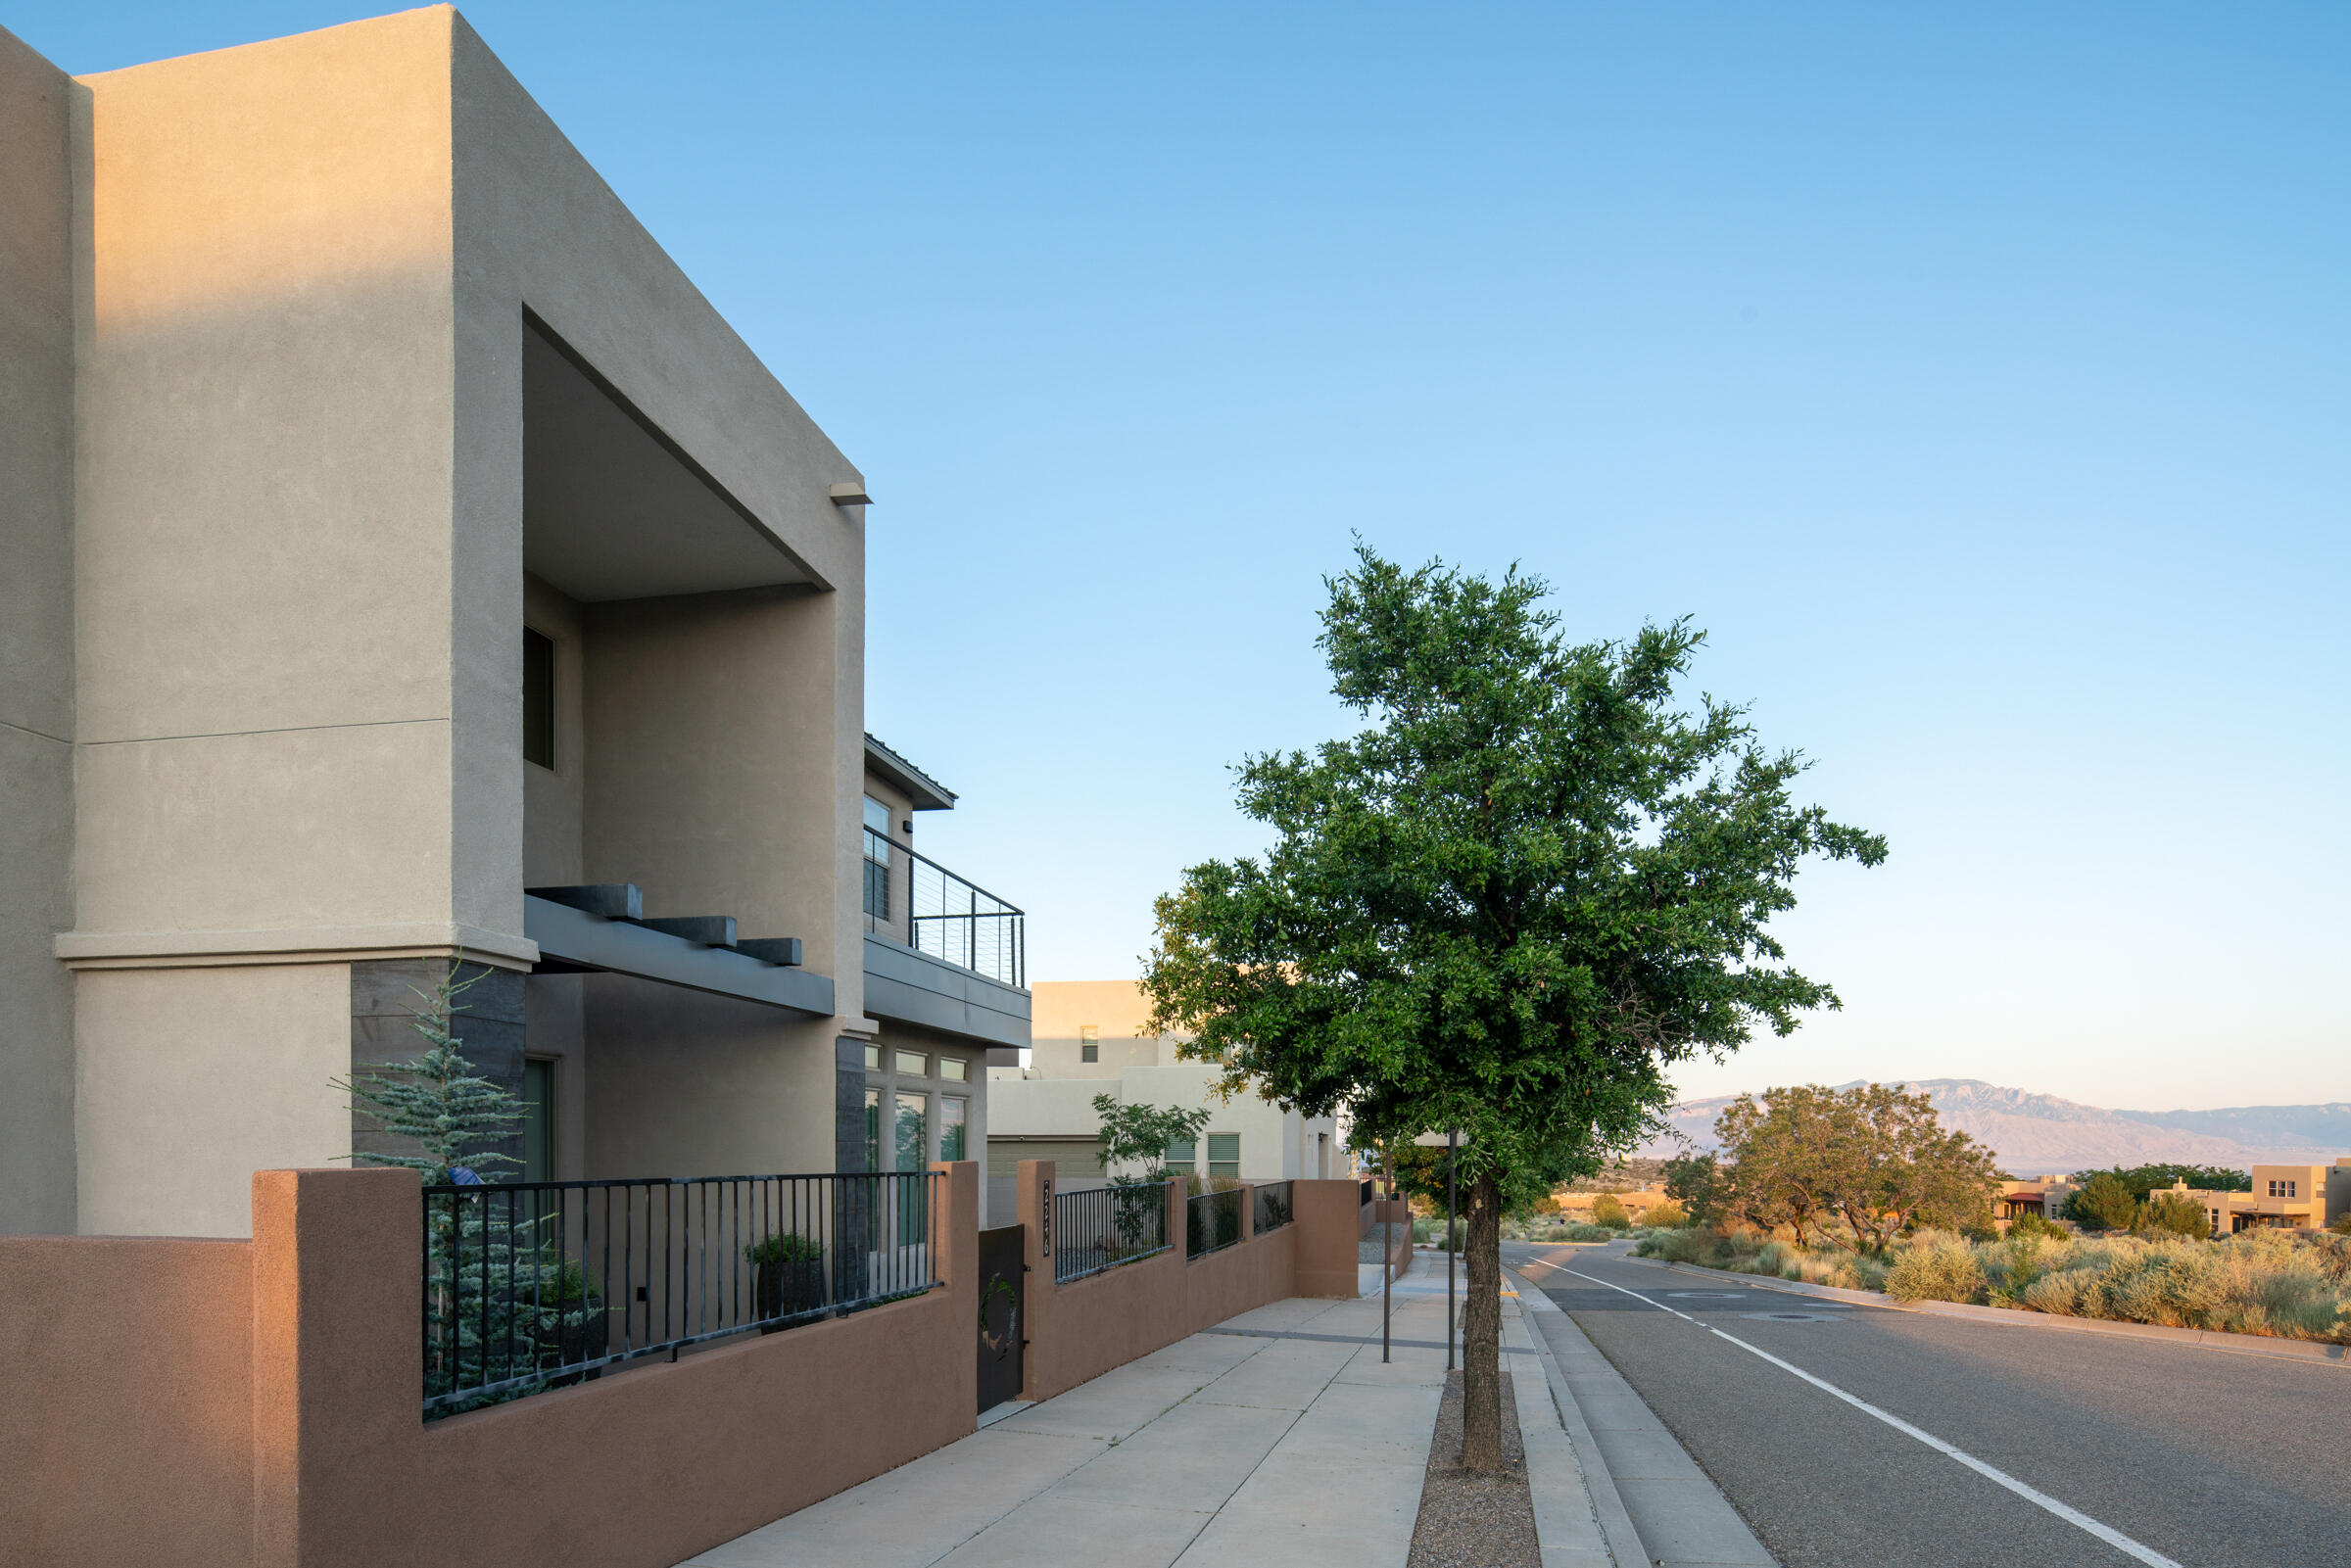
(579, 1331)
(789, 1278)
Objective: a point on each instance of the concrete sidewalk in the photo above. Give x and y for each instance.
(1276, 1438)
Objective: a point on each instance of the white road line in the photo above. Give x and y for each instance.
(2073, 1516)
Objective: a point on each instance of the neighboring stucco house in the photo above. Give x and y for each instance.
(2291, 1197)
(1087, 1040)
(403, 563)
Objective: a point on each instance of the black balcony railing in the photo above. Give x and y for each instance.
(1212, 1220)
(530, 1285)
(1105, 1226)
(934, 911)
(1273, 1207)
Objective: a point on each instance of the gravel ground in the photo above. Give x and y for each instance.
(1370, 1250)
(1469, 1520)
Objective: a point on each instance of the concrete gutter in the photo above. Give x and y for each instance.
(2204, 1338)
(1663, 1510)
(1608, 1506)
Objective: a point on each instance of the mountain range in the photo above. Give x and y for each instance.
(2038, 1134)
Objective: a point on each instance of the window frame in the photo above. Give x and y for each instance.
(539, 679)
(1232, 1141)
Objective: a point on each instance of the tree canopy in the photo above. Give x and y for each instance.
(1872, 1156)
(2140, 1180)
(1529, 883)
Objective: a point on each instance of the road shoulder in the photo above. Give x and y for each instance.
(1653, 1501)
(2204, 1338)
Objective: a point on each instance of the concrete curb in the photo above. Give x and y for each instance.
(1625, 1548)
(2204, 1338)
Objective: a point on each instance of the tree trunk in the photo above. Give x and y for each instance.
(1481, 1331)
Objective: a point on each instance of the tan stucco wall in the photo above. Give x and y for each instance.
(264, 560)
(37, 301)
(128, 1433)
(723, 734)
(300, 583)
(191, 1078)
(1082, 1329)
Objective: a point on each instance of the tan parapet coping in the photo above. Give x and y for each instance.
(299, 944)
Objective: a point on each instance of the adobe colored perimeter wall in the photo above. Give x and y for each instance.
(1082, 1329)
(126, 1426)
(257, 1403)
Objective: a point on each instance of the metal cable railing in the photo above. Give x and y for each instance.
(1274, 1208)
(932, 909)
(1103, 1227)
(530, 1285)
(1212, 1220)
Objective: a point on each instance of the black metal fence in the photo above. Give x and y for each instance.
(1104, 1226)
(934, 911)
(530, 1285)
(1274, 1208)
(1212, 1220)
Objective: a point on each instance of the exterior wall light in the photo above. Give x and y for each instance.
(850, 495)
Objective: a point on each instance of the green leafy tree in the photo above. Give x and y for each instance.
(1134, 1133)
(2104, 1203)
(1872, 1156)
(1783, 1167)
(2142, 1181)
(1529, 883)
(1697, 1183)
(1608, 1209)
(2172, 1213)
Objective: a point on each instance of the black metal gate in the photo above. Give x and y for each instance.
(1001, 1325)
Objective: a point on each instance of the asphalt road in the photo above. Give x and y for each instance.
(2209, 1459)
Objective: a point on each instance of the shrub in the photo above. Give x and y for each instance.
(1607, 1210)
(1583, 1232)
(1945, 1270)
(2104, 1204)
(791, 1247)
(1664, 1212)
(2171, 1214)
(2032, 1224)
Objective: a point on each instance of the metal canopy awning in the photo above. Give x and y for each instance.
(598, 929)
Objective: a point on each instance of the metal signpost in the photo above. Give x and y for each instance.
(1387, 1251)
(1453, 1149)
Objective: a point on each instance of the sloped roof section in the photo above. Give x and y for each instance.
(927, 792)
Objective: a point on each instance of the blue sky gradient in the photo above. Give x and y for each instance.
(1979, 376)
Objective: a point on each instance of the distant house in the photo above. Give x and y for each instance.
(1085, 1041)
(2286, 1197)
(2044, 1196)
(2283, 1196)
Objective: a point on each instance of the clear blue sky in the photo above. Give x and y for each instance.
(1977, 375)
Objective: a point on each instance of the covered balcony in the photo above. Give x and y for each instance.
(942, 952)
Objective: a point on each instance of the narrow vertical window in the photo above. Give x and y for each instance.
(877, 859)
(538, 698)
(1089, 1042)
(538, 1119)
(1179, 1156)
(1224, 1154)
(953, 1117)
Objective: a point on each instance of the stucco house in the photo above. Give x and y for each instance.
(1087, 1039)
(403, 563)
